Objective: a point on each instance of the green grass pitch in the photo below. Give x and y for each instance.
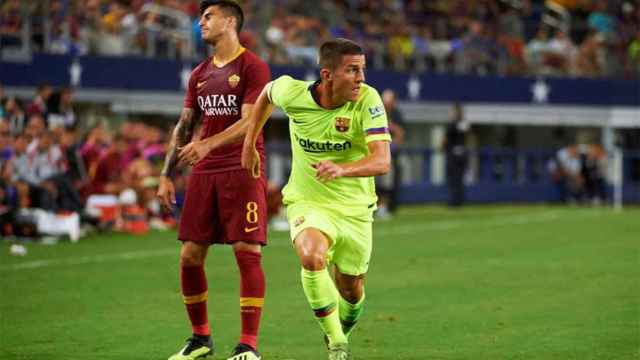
(487, 282)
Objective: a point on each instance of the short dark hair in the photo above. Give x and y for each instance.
(331, 52)
(229, 7)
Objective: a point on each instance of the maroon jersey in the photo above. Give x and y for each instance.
(217, 94)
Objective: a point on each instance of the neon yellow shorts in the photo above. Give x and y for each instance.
(351, 238)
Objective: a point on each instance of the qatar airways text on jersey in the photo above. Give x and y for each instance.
(219, 104)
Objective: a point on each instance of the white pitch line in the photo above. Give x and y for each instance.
(133, 255)
(434, 226)
(520, 219)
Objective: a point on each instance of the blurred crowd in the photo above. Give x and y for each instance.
(60, 175)
(53, 170)
(582, 38)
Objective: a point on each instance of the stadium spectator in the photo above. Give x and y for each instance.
(633, 52)
(47, 162)
(107, 177)
(76, 172)
(565, 170)
(394, 33)
(7, 210)
(561, 53)
(60, 109)
(456, 156)
(388, 193)
(11, 22)
(537, 49)
(2, 112)
(114, 40)
(478, 51)
(39, 103)
(6, 145)
(22, 174)
(590, 62)
(601, 20)
(593, 162)
(35, 128)
(95, 144)
(14, 114)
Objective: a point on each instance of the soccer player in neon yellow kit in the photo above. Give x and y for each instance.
(340, 140)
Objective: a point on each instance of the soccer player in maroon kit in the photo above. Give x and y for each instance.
(223, 204)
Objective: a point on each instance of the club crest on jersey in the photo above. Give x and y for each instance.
(342, 124)
(298, 221)
(234, 80)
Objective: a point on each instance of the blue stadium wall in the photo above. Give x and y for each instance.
(166, 76)
(169, 76)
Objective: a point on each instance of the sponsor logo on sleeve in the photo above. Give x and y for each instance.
(299, 221)
(376, 111)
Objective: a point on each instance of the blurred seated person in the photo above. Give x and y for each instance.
(593, 162)
(565, 173)
(22, 173)
(7, 210)
(579, 173)
(35, 127)
(388, 192)
(50, 165)
(107, 177)
(60, 109)
(95, 144)
(6, 149)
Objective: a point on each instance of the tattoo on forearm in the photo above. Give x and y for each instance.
(181, 136)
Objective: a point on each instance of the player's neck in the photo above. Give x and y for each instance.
(227, 49)
(326, 98)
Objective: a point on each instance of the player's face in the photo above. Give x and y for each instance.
(348, 77)
(213, 24)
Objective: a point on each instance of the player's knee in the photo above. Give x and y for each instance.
(190, 260)
(191, 256)
(242, 246)
(351, 293)
(313, 261)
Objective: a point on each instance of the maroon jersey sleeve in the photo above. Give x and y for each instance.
(190, 97)
(259, 73)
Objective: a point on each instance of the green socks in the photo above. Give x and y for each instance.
(350, 313)
(322, 296)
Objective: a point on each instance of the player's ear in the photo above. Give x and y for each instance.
(232, 22)
(325, 74)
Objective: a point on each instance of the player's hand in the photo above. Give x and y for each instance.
(250, 160)
(327, 170)
(193, 152)
(167, 193)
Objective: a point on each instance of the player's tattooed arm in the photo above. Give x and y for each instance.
(182, 134)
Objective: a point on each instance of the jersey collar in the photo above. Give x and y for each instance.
(220, 64)
(313, 89)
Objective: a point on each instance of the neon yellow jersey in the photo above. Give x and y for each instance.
(340, 135)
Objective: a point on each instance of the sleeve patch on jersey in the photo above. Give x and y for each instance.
(377, 131)
(376, 111)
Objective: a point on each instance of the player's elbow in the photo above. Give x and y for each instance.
(384, 166)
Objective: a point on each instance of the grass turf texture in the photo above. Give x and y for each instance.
(478, 283)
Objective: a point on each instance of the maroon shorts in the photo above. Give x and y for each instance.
(224, 208)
